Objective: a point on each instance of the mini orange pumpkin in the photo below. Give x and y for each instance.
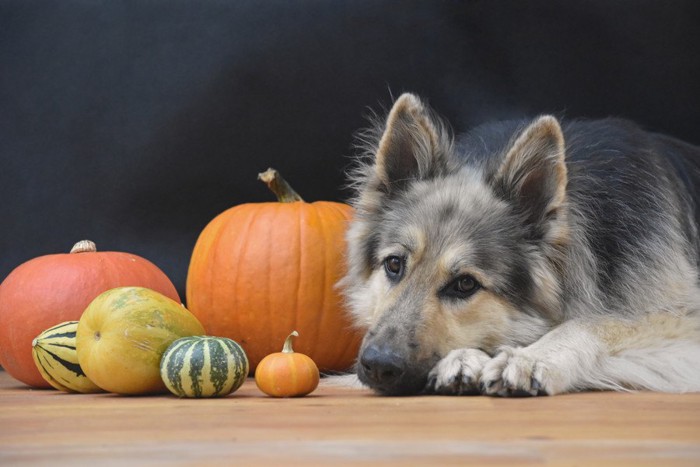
(260, 269)
(55, 288)
(287, 373)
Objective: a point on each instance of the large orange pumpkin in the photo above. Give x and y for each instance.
(261, 269)
(55, 288)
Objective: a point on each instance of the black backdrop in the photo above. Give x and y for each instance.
(133, 123)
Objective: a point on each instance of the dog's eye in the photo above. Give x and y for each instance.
(462, 287)
(393, 265)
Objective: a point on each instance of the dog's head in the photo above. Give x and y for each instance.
(446, 252)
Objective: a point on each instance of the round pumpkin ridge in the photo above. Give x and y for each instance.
(260, 269)
(51, 289)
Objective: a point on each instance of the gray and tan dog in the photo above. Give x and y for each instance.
(524, 258)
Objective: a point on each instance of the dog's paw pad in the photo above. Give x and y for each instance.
(513, 373)
(458, 373)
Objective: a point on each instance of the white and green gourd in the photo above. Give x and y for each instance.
(56, 359)
(204, 366)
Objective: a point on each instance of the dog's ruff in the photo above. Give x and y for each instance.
(524, 258)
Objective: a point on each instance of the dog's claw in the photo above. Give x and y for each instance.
(467, 387)
(494, 387)
(430, 385)
(537, 389)
(536, 386)
(454, 387)
(467, 381)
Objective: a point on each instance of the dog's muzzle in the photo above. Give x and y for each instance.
(387, 372)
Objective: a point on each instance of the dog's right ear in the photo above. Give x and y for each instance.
(414, 146)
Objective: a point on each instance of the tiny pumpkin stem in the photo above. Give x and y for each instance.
(279, 186)
(288, 343)
(84, 246)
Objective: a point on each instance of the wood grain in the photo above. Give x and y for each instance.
(342, 426)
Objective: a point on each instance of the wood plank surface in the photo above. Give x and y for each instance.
(342, 426)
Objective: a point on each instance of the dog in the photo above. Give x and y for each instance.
(523, 258)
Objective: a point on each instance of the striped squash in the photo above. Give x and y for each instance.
(57, 360)
(203, 366)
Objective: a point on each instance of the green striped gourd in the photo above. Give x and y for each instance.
(203, 366)
(57, 360)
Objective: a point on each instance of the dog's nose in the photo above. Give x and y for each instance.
(381, 366)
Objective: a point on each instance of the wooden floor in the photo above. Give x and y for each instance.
(344, 426)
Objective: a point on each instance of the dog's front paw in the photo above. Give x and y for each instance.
(515, 373)
(458, 373)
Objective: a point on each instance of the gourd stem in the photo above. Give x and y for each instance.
(288, 343)
(279, 186)
(84, 246)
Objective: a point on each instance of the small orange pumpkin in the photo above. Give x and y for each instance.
(260, 269)
(287, 373)
(55, 288)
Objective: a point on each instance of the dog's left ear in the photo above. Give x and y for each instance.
(533, 173)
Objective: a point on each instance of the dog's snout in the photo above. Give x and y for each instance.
(382, 366)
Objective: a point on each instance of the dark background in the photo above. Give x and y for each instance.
(134, 123)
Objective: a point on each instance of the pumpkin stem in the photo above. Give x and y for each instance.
(288, 343)
(84, 246)
(279, 186)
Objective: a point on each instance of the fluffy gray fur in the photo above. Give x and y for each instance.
(581, 238)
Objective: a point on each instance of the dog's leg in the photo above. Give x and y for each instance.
(561, 361)
(656, 352)
(549, 366)
(553, 364)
